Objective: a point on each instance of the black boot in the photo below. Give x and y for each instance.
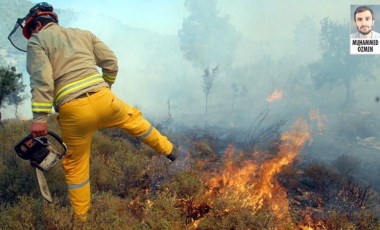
(173, 155)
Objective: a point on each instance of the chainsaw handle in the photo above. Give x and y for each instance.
(59, 139)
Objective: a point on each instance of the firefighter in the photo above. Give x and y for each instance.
(62, 64)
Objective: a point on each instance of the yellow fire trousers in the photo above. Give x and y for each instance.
(79, 119)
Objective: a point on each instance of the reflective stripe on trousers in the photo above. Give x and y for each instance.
(79, 119)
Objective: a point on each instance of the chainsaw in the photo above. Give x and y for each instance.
(42, 155)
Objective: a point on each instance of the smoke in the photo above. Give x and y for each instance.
(259, 46)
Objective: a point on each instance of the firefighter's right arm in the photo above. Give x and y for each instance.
(41, 80)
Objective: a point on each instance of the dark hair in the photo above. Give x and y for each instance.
(362, 9)
(44, 19)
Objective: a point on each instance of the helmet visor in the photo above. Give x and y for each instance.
(16, 36)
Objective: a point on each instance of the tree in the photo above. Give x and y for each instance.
(16, 99)
(169, 119)
(208, 82)
(206, 38)
(336, 66)
(11, 87)
(306, 25)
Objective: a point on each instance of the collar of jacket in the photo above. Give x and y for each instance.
(50, 24)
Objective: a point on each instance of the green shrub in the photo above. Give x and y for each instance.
(56, 216)
(116, 165)
(107, 147)
(18, 180)
(24, 215)
(224, 216)
(57, 184)
(105, 173)
(107, 212)
(185, 184)
(110, 212)
(162, 213)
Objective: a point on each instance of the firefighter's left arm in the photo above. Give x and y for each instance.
(105, 59)
(41, 80)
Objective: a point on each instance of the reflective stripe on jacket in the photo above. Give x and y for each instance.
(77, 86)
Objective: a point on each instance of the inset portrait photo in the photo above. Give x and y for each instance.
(365, 29)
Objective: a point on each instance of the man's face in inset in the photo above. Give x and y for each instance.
(364, 22)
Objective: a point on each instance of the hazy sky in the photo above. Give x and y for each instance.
(163, 16)
(166, 16)
(256, 20)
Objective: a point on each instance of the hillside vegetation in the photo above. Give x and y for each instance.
(134, 188)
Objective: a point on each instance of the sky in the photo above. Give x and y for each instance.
(164, 16)
(259, 20)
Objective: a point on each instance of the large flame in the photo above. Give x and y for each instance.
(252, 184)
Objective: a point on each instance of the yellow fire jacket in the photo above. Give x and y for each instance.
(57, 76)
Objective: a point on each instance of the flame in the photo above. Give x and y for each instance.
(251, 184)
(276, 95)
